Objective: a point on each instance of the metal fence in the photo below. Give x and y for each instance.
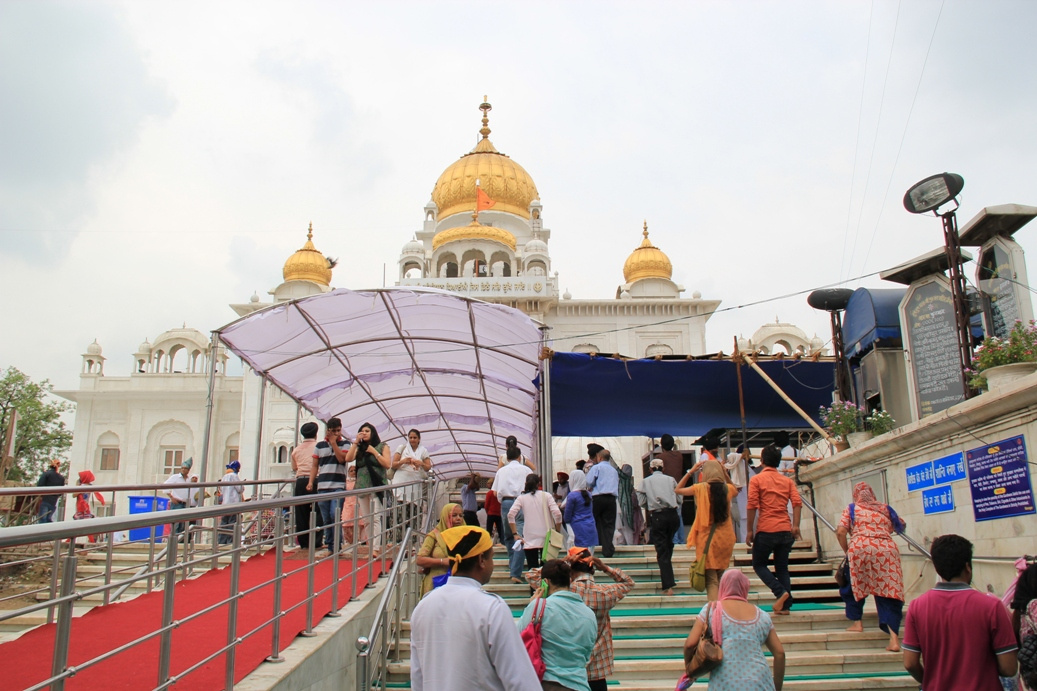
(199, 539)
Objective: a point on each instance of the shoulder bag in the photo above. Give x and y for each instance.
(532, 639)
(708, 655)
(697, 571)
(553, 540)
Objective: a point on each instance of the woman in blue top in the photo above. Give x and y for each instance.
(741, 628)
(568, 629)
(579, 515)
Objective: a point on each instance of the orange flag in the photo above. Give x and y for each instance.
(482, 200)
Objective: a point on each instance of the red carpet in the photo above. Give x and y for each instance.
(27, 660)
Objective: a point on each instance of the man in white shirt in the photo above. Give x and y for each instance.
(508, 483)
(658, 495)
(736, 464)
(463, 637)
(230, 494)
(180, 495)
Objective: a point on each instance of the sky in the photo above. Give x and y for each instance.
(159, 161)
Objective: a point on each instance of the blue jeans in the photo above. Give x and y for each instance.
(47, 509)
(780, 545)
(515, 557)
(331, 513)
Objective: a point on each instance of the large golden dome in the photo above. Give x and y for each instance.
(308, 264)
(506, 182)
(474, 231)
(647, 261)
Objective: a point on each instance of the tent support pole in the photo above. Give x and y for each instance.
(214, 349)
(810, 420)
(741, 408)
(546, 462)
(259, 434)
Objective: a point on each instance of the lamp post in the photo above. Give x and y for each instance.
(929, 195)
(834, 301)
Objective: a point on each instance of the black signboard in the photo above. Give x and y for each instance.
(995, 274)
(933, 339)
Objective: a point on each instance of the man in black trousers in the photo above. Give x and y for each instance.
(658, 495)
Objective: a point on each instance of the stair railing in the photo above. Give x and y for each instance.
(398, 599)
(907, 538)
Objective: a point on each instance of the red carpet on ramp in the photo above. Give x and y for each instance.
(27, 659)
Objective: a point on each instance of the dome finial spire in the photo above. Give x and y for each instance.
(485, 107)
(309, 233)
(645, 231)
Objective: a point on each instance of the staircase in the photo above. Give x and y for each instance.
(649, 629)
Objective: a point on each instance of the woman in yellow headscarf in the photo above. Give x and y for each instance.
(433, 558)
(712, 508)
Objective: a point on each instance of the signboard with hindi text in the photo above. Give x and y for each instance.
(920, 476)
(949, 468)
(999, 476)
(927, 312)
(938, 499)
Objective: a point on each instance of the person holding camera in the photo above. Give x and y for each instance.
(372, 460)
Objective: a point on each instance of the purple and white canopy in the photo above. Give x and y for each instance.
(459, 370)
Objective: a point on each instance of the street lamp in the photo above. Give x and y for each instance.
(929, 195)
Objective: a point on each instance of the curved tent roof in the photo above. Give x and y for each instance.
(460, 370)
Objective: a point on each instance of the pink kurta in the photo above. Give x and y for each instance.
(873, 556)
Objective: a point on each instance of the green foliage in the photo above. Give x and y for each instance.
(41, 434)
(880, 422)
(842, 418)
(1020, 346)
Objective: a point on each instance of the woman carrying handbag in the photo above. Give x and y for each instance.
(739, 629)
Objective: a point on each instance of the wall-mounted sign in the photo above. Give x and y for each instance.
(1000, 480)
(949, 468)
(938, 499)
(920, 476)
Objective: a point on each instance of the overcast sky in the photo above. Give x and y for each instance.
(161, 160)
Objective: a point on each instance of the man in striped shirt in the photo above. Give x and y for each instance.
(328, 474)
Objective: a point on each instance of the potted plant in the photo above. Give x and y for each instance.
(880, 422)
(842, 418)
(1017, 354)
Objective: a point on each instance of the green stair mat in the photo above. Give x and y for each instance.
(681, 611)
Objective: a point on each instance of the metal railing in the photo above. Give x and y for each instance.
(194, 546)
(907, 538)
(382, 643)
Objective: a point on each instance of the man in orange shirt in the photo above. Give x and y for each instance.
(769, 530)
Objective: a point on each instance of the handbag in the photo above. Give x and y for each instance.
(553, 540)
(1028, 660)
(842, 574)
(708, 655)
(533, 641)
(697, 571)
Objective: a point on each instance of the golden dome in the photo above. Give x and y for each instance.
(308, 264)
(506, 182)
(647, 261)
(474, 231)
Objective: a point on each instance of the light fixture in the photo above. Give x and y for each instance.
(933, 192)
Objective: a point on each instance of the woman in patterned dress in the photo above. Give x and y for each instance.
(1024, 614)
(873, 562)
(741, 628)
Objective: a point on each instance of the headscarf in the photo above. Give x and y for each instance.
(578, 481)
(733, 586)
(86, 477)
(444, 518)
(465, 542)
(713, 471)
(864, 495)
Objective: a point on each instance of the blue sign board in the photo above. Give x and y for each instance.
(949, 468)
(920, 476)
(938, 499)
(1000, 478)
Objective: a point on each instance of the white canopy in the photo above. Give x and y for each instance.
(459, 370)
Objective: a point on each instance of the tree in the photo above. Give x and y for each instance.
(41, 434)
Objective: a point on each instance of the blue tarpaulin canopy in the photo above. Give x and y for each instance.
(872, 315)
(599, 396)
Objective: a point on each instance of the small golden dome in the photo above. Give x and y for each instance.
(647, 261)
(308, 264)
(506, 182)
(474, 231)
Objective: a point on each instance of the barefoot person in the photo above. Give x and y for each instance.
(873, 562)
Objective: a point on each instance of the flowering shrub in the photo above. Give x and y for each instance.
(880, 422)
(1020, 346)
(842, 418)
